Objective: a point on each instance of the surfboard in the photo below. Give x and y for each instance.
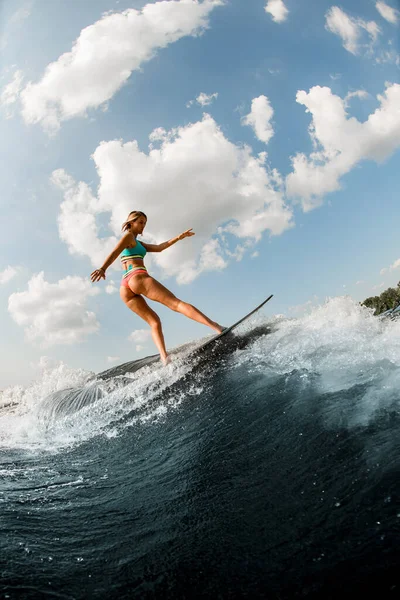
(132, 366)
(216, 338)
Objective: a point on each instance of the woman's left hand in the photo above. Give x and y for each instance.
(97, 275)
(187, 233)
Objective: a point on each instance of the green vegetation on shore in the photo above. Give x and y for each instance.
(388, 300)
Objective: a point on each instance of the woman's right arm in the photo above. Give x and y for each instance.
(125, 241)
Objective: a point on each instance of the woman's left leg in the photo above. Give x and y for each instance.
(154, 290)
(139, 306)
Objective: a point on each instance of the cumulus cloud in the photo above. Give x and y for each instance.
(341, 141)
(203, 99)
(195, 178)
(55, 313)
(77, 219)
(387, 12)
(277, 10)
(259, 118)
(350, 29)
(111, 288)
(210, 259)
(140, 337)
(8, 273)
(11, 92)
(393, 267)
(104, 56)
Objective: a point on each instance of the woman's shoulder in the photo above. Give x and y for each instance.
(129, 240)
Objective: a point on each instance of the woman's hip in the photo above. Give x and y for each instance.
(136, 273)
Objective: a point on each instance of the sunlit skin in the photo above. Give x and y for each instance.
(143, 285)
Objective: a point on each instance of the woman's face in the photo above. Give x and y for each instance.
(139, 224)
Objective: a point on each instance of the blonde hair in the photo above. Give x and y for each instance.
(133, 216)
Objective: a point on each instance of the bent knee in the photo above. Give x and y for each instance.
(154, 321)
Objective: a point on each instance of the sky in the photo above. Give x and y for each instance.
(270, 127)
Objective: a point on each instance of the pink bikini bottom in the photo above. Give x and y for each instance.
(131, 273)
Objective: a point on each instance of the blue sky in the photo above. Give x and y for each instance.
(272, 128)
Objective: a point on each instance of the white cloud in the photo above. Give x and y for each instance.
(77, 219)
(112, 359)
(8, 274)
(393, 267)
(387, 12)
(239, 251)
(259, 118)
(11, 92)
(55, 313)
(140, 337)
(378, 287)
(359, 282)
(111, 288)
(357, 94)
(341, 142)
(350, 29)
(211, 259)
(104, 56)
(277, 10)
(205, 181)
(203, 99)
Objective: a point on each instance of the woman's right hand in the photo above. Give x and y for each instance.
(97, 275)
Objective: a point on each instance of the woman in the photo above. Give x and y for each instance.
(136, 282)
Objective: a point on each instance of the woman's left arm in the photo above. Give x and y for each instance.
(171, 242)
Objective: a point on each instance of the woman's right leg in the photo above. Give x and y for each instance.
(138, 305)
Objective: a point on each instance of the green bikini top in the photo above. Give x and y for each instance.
(139, 251)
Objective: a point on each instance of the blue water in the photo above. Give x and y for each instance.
(267, 470)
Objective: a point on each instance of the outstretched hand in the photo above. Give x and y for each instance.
(97, 275)
(187, 233)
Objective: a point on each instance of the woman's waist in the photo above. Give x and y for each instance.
(129, 264)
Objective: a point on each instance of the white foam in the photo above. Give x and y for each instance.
(333, 348)
(27, 420)
(340, 344)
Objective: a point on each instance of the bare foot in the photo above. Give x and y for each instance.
(166, 360)
(218, 328)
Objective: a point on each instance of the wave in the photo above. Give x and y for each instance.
(334, 347)
(265, 467)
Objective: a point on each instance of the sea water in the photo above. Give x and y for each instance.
(268, 471)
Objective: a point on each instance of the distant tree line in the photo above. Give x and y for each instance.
(388, 300)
